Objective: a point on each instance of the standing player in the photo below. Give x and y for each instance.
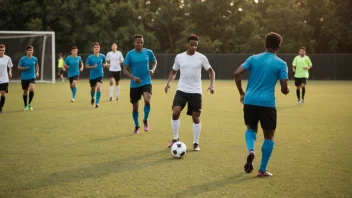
(259, 100)
(301, 66)
(189, 88)
(137, 61)
(96, 63)
(115, 61)
(72, 64)
(29, 72)
(5, 62)
(60, 66)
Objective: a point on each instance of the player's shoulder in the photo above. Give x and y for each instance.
(69, 57)
(200, 55)
(183, 54)
(7, 57)
(90, 56)
(35, 58)
(102, 55)
(147, 50)
(306, 56)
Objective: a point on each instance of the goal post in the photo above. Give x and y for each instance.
(44, 49)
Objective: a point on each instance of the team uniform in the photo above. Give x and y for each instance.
(73, 71)
(301, 75)
(5, 62)
(96, 74)
(115, 58)
(27, 77)
(259, 100)
(138, 62)
(60, 66)
(189, 89)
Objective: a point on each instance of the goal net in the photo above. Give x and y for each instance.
(44, 50)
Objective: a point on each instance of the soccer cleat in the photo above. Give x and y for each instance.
(146, 125)
(110, 99)
(299, 102)
(72, 100)
(92, 102)
(25, 108)
(264, 174)
(248, 167)
(302, 101)
(196, 147)
(97, 106)
(136, 130)
(0, 110)
(117, 98)
(172, 142)
(30, 107)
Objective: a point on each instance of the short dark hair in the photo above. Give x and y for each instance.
(137, 36)
(2, 45)
(273, 40)
(96, 43)
(29, 47)
(192, 37)
(302, 48)
(113, 44)
(74, 47)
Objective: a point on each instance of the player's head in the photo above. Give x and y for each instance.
(114, 46)
(273, 41)
(29, 50)
(138, 42)
(192, 43)
(59, 54)
(74, 50)
(302, 51)
(2, 50)
(96, 47)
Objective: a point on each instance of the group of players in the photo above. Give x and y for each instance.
(259, 101)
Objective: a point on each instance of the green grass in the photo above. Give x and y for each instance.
(64, 149)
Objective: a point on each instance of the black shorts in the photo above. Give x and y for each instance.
(194, 101)
(299, 81)
(61, 71)
(4, 87)
(136, 93)
(116, 75)
(25, 83)
(266, 115)
(71, 79)
(94, 82)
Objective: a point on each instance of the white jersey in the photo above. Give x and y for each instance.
(115, 58)
(5, 62)
(190, 67)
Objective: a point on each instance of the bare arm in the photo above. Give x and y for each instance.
(82, 66)
(172, 76)
(66, 66)
(154, 64)
(10, 72)
(37, 70)
(126, 72)
(91, 67)
(22, 68)
(212, 79)
(238, 73)
(284, 87)
(294, 69)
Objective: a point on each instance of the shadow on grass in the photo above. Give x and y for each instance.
(111, 138)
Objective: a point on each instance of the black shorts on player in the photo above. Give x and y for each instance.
(71, 79)
(4, 87)
(266, 115)
(94, 82)
(61, 71)
(194, 101)
(25, 83)
(299, 81)
(115, 74)
(136, 93)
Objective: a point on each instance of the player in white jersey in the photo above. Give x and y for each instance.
(189, 89)
(115, 60)
(5, 62)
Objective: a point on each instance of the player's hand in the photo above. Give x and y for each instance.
(106, 65)
(211, 89)
(10, 75)
(151, 72)
(26, 68)
(305, 68)
(63, 69)
(81, 69)
(136, 80)
(37, 74)
(95, 66)
(167, 87)
(241, 98)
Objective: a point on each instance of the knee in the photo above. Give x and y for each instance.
(135, 108)
(175, 115)
(196, 119)
(2, 93)
(98, 89)
(25, 92)
(147, 102)
(269, 134)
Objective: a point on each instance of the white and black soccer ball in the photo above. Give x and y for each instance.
(178, 149)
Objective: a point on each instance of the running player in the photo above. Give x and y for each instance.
(74, 66)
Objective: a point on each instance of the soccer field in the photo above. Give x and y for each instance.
(64, 149)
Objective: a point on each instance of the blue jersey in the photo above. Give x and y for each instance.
(28, 62)
(138, 62)
(96, 60)
(73, 63)
(265, 69)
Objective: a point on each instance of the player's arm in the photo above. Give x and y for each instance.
(153, 61)
(82, 66)
(309, 63)
(21, 65)
(126, 72)
(10, 65)
(172, 76)
(105, 62)
(283, 76)
(37, 69)
(212, 79)
(238, 79)
(89, 64)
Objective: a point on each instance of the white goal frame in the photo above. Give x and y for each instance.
(41, 66)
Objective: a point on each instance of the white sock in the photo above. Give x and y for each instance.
(118, 91)
(196, 132)
(175, 125)
(111, 91)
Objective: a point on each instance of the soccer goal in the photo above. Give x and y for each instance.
(44, 49)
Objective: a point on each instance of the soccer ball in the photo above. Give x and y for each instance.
(178, 149)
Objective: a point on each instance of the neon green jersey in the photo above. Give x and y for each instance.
(300, 63)
(60, 63)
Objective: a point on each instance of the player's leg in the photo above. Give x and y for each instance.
(178, 104)
(303, 86)
(117, 81)
(147, 95)
(92, 83)
(251, 119)
(25, 86)
(73, 83)
(31, 93)
(298, 89)
(111, 88)
(3, 88)
(194, 109)
(268, 123)
(98, 90)
(135, 96)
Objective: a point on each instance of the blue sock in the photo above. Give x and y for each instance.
(98, 97)
(250, 137)
(267, 149)
(74, 89)
(146, 112)
(135, 118)
(92, 94)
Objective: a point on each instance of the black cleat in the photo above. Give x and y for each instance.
(248, 167)
(92, 102)
(96, 106)
(110, 99)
